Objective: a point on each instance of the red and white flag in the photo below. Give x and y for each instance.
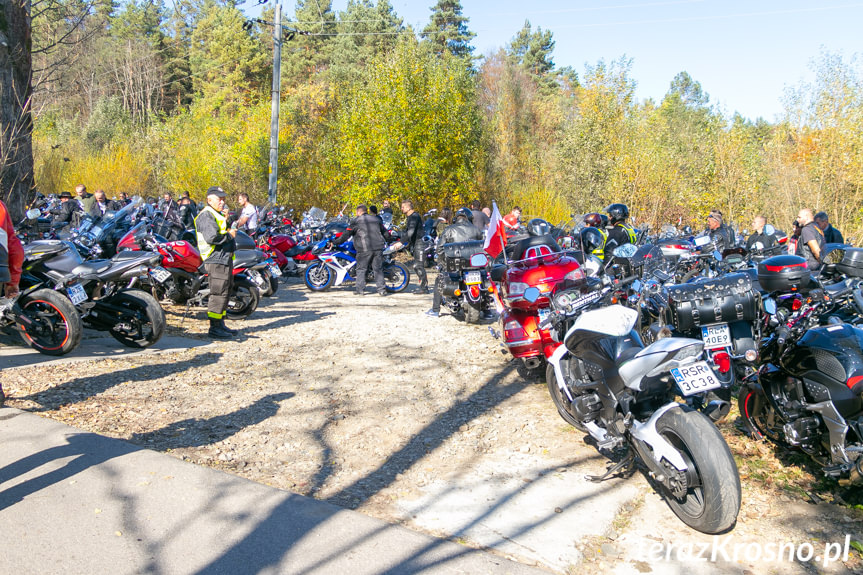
(495, 235)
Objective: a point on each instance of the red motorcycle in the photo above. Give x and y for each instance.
(181, 276)
(535, 261)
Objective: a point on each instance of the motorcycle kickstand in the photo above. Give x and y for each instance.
(627, 463)
(185, 313)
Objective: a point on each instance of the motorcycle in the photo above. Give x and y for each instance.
(336, 265)
(467, 289)
(45, 319)
(102, 291)
(604, 382)
(808, 393)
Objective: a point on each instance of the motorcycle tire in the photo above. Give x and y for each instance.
(396, 277)
(267, 289)
(274, 286)
(472, 311)
(712, 505)
(57, 326)
(150, 319)
(318, 277)
(756, 411)
(245, 298)
(559, 400)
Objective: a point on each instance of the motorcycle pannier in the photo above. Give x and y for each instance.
(457, 255)
(852, 263)
(783, 274)
(709, 301)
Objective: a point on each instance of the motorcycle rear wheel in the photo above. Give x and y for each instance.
(149, 323)
(472, 311)
(318, 276)
(396, 277)
(712, 505)
(245, 298)
(57, 326)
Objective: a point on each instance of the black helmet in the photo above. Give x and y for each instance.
(591, 240)
(464, 213)
(617, 212)
(593, 220)
(538, 227)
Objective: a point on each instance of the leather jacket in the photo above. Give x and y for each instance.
(461, 231)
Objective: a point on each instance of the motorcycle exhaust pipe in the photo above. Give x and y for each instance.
(532, 362)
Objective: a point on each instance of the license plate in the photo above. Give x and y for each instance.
(76, 293)
(472, 278)
(544, 313)
(695, 378)
(274, 269)
(715, 336)
(160, 274)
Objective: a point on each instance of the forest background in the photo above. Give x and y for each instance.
(141, 97)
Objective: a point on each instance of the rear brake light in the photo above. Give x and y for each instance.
(574, 275)
(780, 268)
(512, 331)
(722, 361)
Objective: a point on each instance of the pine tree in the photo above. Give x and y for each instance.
(447, 29)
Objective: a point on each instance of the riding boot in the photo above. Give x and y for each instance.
(217, 332)
(227, 329)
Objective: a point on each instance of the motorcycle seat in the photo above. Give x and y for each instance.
(92, 267)
(534, 241)
(246, 258)
(836, 289)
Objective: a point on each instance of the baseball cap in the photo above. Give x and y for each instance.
(216, 191)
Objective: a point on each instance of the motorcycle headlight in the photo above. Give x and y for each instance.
(516, 289)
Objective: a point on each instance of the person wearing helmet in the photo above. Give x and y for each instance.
(620, 233)
(461, 230)
(594, 236)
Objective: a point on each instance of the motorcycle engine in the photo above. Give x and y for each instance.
(802, 432)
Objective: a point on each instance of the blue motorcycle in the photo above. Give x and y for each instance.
(336, 265)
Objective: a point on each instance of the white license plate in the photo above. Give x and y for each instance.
(472, 278)
(160, 274)
(544, 312)
(695, 378)
(274, 269)
(76, 293)
(715, 336)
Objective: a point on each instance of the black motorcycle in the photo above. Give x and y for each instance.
(101, 290)
(808, 392)
(467, 289)
(46, 320)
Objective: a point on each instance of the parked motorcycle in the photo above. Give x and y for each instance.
(467, 289)
(337, 265)
(45, 319)
(604, 382)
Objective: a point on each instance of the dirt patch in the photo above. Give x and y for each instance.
(369, 404)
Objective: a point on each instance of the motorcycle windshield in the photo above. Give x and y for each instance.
(387, 218)
(317, 214)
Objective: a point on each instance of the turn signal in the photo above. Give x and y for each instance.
(491, 288)
(457, 293)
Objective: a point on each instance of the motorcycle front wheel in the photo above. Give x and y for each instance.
(55, 327)
(143, 321)
(712, 498)
(318, 276)
(558, 398)
(245, 298)
(756, 412)
(396, 277)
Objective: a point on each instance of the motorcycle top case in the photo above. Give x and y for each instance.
(709, 301)
(458, 254)
(783, 274)
(852, 263)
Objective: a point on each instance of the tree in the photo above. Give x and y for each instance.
(309, 53)
(366, 30)
(447, 29)
(532, 50)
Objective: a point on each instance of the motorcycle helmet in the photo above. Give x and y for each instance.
(464, 213)
(538, 227)
(591, 240)
(617, 212)
(593, 220)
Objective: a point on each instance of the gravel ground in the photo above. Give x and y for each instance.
(369, 404)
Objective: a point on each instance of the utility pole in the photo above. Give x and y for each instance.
(274, 118)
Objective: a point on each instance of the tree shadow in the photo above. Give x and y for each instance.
(83, 388)
(194, 432)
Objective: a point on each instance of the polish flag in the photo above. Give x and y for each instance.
(495, 235)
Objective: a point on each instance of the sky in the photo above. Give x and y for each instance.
(745, 54)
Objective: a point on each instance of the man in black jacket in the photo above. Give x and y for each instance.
(216, 244)
(831, 234)
(760, 240)
(720, 234)
(64, 213)
(462, 230)
(412, 238)
(368, 233)
(102, 204)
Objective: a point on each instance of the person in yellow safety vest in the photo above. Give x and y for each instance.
(216, 244)
(594, 243)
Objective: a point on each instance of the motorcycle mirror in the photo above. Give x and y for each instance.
(769, 230)
(531, 294)
(770, 305)
(33, 214)
(717, 255)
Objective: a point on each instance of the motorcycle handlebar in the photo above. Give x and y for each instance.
(782, 335)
